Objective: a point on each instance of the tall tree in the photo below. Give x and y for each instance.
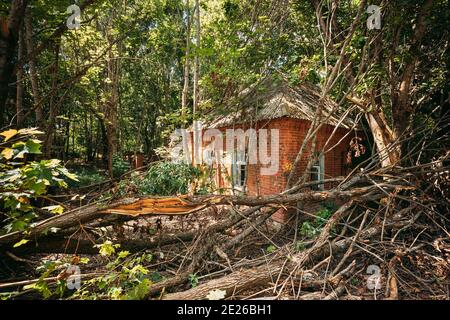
(9, 35)
(20, 83)
(185, 92)
(33, 72)
(196, 98)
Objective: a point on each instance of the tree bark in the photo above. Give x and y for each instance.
(82, 246)
(185, 92)
(113, 70)
(197, 58)
(54, 106)
(9, 34)
(20, 83)
(33, 73)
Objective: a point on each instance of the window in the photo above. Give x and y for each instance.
(318, 172)
(239, 168)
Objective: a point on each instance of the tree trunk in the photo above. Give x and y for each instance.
(32, 63)
(9, 34)
(185, 92)
(82, 246)
(197, 130)
(113, 71)
(20, 84)
(54, 106)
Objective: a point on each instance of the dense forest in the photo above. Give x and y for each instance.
(92, 206)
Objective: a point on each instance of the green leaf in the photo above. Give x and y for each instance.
(140, 291)
(193, 279)
(123, 254)
(84, 260)
(21, 242)
(115, 293)
(55, 209)
(106, 249)
(34, 146)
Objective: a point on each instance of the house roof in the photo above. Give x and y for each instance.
(272, 99)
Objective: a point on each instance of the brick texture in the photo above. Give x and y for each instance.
(292, 133)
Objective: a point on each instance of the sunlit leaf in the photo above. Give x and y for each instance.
(20, 243)
(7, 153)
(8, 134)
(30, 131)
(55, 209)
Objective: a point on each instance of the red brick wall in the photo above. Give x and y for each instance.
(292, 133)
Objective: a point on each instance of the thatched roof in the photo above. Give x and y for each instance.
(273, 99)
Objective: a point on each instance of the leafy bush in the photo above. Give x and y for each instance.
(23, 181)
(322, 217)
(87, 176)
(310, 229)
(127, 278)
(120, 166)
(167, 178)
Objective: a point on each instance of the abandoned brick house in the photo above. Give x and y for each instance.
(275, 104)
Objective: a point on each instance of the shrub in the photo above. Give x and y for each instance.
(310, 229)
(23, 181)
(168, 178)
(87, 176)
(120, 166)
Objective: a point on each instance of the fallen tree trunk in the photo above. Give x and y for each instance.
(236, 281)
(83, 246)
(88, 213)
(67, 220)
(181, 206)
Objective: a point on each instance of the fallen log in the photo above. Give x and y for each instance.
(180, 206)
(89, 213)
(83, 246)
(236, 281)
(157, 206)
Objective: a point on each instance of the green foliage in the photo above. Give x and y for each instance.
(322, 217)
(193, 280)
(87, 176)
(299, 246)
(166, 179)
(107, 248)
(120, 166)
(310, 229)
(126, 279)
(23, 181)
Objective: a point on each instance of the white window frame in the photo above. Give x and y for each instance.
(320, 167)
(239, 160)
